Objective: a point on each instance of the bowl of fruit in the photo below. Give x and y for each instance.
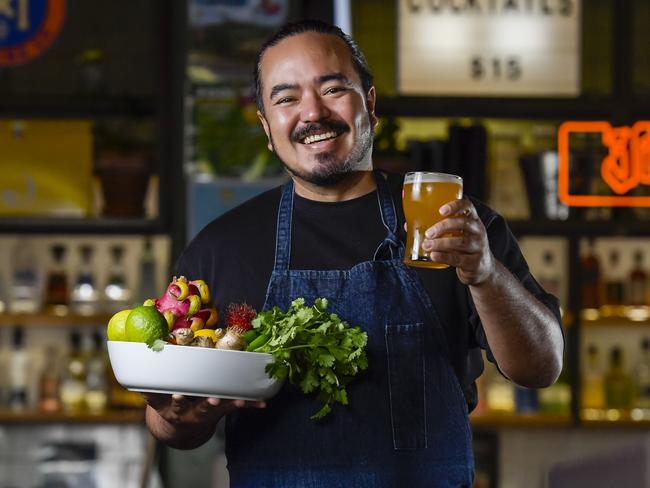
(172, 345)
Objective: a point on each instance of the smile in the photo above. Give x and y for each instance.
(319, 137)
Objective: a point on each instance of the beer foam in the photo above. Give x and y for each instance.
(431, 177)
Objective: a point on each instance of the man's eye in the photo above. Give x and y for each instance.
(284, 100)
(334, 89)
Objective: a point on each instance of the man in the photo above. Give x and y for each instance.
(335, 230)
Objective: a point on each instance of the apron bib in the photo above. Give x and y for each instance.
(406, 423)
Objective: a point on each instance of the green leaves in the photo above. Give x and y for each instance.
(156, 345)
(315, 350)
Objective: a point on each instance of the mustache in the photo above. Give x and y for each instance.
(313, 128)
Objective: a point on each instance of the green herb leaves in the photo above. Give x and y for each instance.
(313, 349)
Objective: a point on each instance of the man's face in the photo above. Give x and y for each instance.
(317, 117)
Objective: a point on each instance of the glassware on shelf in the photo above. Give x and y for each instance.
(18, 372)
(117, 294)
(25, 284)
(148, 271)
(618, 385)
(593, 387)
(48, 385)
(56, 289)
(72, 389)
(614, 286)
(96, 397)
(641, 403)
(85, 295)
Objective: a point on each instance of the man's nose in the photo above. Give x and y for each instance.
(313, 108)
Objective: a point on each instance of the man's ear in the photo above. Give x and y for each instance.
(371, 99)
(267, 129)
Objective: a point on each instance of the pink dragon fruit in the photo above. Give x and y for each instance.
(186, 304)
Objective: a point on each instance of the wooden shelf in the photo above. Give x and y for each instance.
(624, 317)
(581, 228)
(37, 417)
(48, 320)
(44, 225)
(538, 420)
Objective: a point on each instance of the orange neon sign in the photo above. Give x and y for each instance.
(626, 166)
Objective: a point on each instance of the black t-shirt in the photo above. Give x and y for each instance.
(235, 253)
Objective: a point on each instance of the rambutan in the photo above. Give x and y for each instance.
(239, 317)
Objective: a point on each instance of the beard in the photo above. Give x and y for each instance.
(330, 170)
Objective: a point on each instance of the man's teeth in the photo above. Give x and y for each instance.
(319, 137)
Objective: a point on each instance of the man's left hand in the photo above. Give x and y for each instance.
(460, 240)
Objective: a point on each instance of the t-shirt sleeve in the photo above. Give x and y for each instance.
(505, 248)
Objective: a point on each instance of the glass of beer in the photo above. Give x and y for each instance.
(422, 196)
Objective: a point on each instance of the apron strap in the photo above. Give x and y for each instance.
(388, 218)
(283, 233)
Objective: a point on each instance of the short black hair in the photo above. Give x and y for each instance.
(289, 30)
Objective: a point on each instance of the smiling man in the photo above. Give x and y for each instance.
(335, 231)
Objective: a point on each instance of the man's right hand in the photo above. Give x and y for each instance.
(186, 422)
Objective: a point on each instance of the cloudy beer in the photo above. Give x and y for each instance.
(423, 195)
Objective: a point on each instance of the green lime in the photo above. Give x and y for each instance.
(146, 324)
(116, 326)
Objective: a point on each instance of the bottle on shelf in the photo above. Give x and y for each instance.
(638, 282)
(56, 289)
(18, 372)
(4, 299)
(549, 276)
(593, 387)
(148, 271)
(618, 384)
(556, 399)
(641, 378)
(614, 285)
(4, 386)
(72, 389)
(590, 282)
(25, 285)
(96, 397)
(500, 395)
(48, 384)
(526, 400)
(85, 295)
(117, 294)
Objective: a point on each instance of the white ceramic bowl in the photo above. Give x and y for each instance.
(196, 371)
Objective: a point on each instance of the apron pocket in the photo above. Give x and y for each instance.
(406, 369)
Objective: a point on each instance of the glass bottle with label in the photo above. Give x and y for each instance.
(549, 275)
(96, 398)
(48, 385)
(25, 286)
(614, 282)
(638, 281)
(590, 282)
(85, 295)
(117, 294)
(18, 372)
(56, 289)
(148, 272)
(642, 380)
(593, 387)
(72, 390)
(618, 384)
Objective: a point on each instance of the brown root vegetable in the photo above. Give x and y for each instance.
(231, 340)
(184, 337)
(203, 341)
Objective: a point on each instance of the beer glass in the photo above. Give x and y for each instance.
(422, 196)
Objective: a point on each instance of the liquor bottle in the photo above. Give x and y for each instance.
(593, 387)
(18, 372)
(500, 394)
(618, 385)
(642, 379)
(590, 287)
(48, 385)
(614, 281)
(96, 398)
(148, 271)
(556, 399)
(25, 284)
(72, 389)
(638, 282)
(85, 296)
(549, 276)
(56, 289)
(526, 399)
(117, 293)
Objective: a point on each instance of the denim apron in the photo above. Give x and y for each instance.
(406, 423)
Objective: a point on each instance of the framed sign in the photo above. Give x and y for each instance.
(28, 28)
(499, 48)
